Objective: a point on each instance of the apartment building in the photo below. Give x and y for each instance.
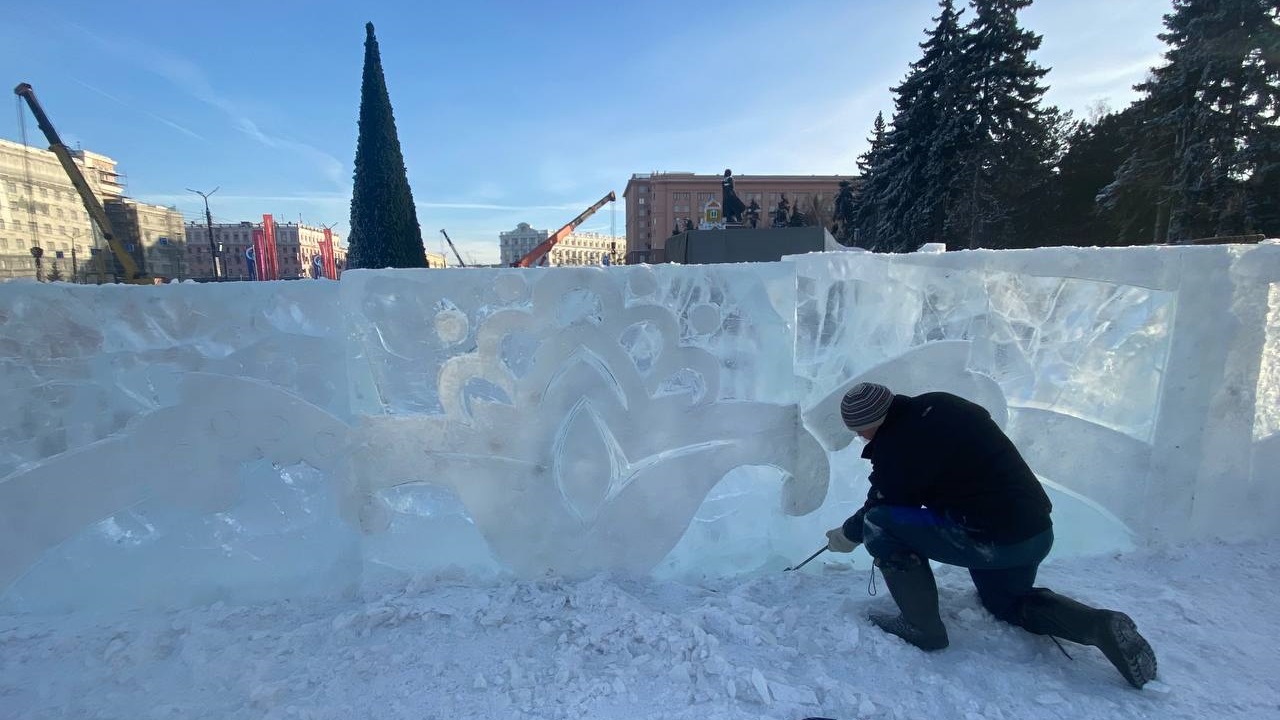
(658, 204)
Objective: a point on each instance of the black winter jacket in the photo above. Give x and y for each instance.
(942, 452)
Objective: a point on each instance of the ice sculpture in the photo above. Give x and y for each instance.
(601, 428)
(187, 455)
(193, 440)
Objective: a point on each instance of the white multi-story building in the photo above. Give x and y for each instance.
(578, 248)
(39, 207)
(588, 248)
(515, 244)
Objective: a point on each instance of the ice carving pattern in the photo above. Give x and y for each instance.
(1066, 344)
(589, 422)
(1267, 410)
(77, 363)
(186, 455)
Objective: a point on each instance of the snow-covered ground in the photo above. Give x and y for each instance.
(785, 645)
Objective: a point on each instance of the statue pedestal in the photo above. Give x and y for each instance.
(733, 245)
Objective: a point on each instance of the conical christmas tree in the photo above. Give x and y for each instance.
(384, 222)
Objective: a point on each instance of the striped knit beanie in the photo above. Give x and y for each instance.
(865, 406)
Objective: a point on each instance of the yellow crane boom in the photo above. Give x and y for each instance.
(132, 274)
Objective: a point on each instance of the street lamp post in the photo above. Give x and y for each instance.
(74, 235)
(208, 217)
(37, 252)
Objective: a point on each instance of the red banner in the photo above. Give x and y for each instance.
(270, 260)
(259, 255)
(326, 252)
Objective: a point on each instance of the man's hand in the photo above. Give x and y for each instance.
(837, 542)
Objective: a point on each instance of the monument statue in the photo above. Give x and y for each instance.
(782, 213)
(753, 214)
(731, 205)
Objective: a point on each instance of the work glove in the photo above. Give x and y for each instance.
(837, 542)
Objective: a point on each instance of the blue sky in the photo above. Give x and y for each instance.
(507, 111)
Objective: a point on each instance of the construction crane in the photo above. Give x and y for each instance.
(535, 255)
(452, 247)
(132, 274)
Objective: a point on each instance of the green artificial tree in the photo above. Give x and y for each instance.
(384, 223)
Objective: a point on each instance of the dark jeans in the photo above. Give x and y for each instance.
(1003, 574)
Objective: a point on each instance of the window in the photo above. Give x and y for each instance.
(680, 196)
(641, 201)
(704, 198)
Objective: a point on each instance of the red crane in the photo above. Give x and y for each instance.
(536, 255)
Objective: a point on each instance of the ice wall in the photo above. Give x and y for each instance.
(186, 443)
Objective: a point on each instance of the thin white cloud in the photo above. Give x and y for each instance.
(165, 198)
(189, 78)
(1111, 76)
(166, 121)
(491, 206)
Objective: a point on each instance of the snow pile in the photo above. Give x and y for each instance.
(783, 645)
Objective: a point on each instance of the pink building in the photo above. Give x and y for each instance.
(297, 248)
(658, 203)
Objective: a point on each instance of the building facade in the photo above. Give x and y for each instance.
(588, 248)
(577, 248)
(658, 204)
(311, 241)
(39, 207)
(153, 234)
(515, 244)
(297, 247)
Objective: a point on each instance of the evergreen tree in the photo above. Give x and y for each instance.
(1090, 162)
(1206, 159)
(1003, 147)
(55, 273)
(384, 222)
(849, 204)
(905, 177)
(875, 150)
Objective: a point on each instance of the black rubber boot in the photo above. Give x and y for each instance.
(1045, 612)
(911, 583)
